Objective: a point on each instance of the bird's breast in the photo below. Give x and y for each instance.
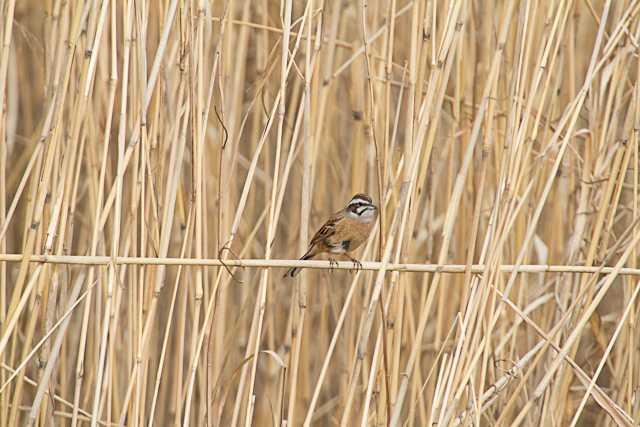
(349, 235)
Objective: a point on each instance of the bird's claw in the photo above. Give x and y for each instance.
(357, 265)
(332, 264)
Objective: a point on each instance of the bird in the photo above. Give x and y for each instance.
(344, 232)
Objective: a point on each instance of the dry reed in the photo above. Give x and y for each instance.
(161, 162)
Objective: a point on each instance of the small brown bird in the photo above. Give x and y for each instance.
(344, 232)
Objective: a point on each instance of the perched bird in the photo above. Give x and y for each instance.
(344, 232)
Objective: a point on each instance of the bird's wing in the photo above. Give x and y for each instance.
(326, 231)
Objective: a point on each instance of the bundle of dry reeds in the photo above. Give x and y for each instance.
(160, 159)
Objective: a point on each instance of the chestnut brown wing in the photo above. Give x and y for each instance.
(326, 231)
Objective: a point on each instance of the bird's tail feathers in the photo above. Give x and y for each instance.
(292, 272)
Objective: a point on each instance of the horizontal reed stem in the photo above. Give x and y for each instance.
(322, 265)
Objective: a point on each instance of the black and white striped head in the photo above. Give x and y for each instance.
(361, 207)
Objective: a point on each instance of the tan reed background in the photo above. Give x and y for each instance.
(492, 132)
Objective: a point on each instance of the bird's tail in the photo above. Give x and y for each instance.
(292, 272)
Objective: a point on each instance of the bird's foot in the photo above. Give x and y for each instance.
(357, 265)
(332, 264)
